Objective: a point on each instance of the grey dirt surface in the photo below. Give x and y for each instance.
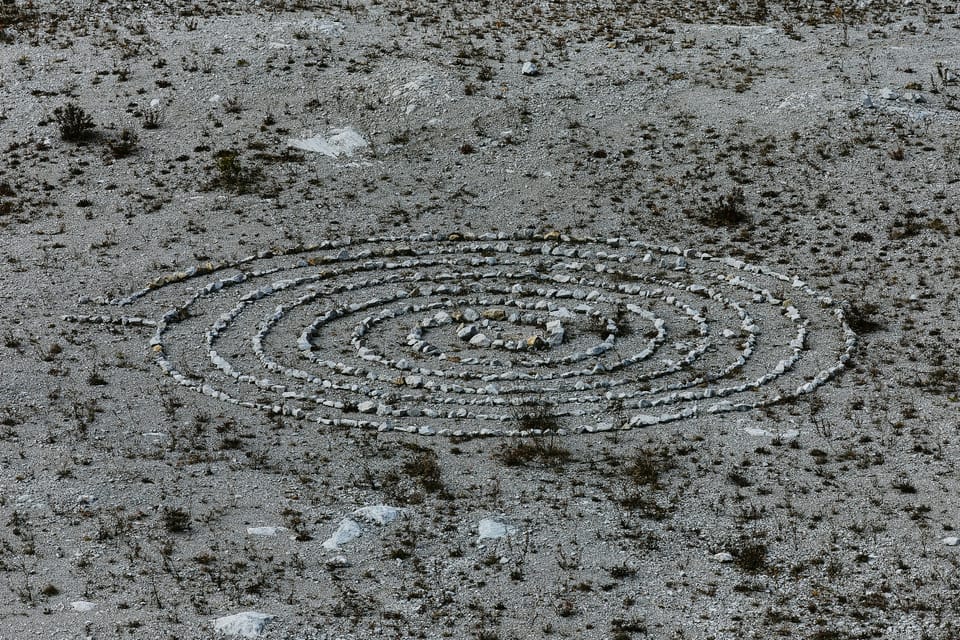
(337, 213)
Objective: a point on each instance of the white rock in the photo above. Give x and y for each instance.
(248, 624)
(467, 332)
(82, 606)
(348, 531)
(323, 27)
(367, 406)
(529, 69)
(340, 142)
(492, 529)
(867, 102)
(722, 557)
(914, 97)
(951, 541)
(380, 513)
(338, 562)
(480, 340)
(155, 103)
(264, 531)
(888, 94)
(757, 433)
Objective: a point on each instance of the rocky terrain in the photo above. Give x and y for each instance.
(384, 319)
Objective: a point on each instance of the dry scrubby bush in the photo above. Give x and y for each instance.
(232, 174)
(176, 519)
(426, 470)
(14, 14)
(124, 144)
(728, 210)
(153, 118)
(524, 452)
(752, 557)
(74, 123)
(862, 317)
(539, 417)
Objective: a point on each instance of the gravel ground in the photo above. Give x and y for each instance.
(486, 320)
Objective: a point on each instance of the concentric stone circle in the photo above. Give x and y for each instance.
(460, 334)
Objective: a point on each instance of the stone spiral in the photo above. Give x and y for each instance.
(463, 334)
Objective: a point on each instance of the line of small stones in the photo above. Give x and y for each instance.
(380, 408)
(415, 337)
(305, 342)
(849, 336)
(494, 399)
(305, 339)
(555, 244)
(224, 366)
(367, 354)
